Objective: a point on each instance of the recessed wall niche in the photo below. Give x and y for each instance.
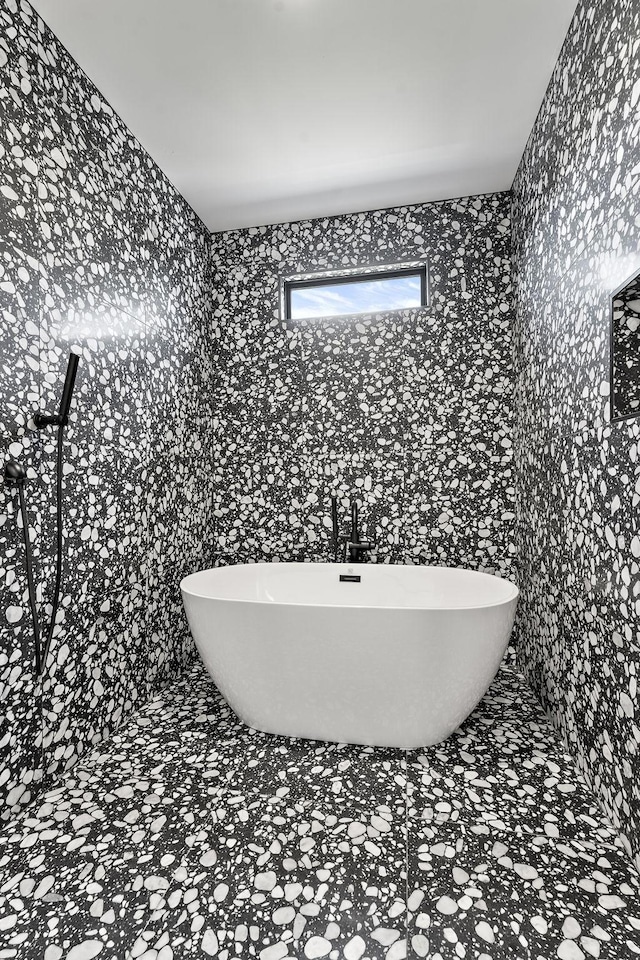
(625, 350)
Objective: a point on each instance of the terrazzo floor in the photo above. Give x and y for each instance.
(189, 835)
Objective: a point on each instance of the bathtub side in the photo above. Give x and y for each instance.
(394, 678)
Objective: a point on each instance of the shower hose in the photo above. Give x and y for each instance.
(28, 560)
(42, 650)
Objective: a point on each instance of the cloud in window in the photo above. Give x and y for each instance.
(362, 296)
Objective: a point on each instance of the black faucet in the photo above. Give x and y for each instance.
(355, 548)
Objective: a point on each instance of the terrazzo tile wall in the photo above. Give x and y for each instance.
(99, 254)
(410, 411)
(576, 206)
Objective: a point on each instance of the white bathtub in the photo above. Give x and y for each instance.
(398, 659)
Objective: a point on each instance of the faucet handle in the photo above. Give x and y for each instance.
(361, 544)
(358, 549)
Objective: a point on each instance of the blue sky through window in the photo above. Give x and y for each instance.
(361, 296)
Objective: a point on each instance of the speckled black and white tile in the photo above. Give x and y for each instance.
(575, 233)
(100, 255)
(389, 408)
(205, 427)
(189, 834)
(201, 421)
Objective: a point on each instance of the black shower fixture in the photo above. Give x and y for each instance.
(356, 549)
(61, 418)
(15, 475)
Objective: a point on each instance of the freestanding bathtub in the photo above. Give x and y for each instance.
(386, 655)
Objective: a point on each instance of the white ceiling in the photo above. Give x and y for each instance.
(262, 111)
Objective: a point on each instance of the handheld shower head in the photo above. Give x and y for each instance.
(61, 418)
(67, 390)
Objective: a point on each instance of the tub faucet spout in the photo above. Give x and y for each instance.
(348, 546)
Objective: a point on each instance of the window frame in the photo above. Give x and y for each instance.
(330, 278)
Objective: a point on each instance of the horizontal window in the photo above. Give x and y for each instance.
(343, 294)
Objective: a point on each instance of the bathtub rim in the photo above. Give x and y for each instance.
(514, 593)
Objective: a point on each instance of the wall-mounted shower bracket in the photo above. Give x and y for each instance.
(46, 420)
